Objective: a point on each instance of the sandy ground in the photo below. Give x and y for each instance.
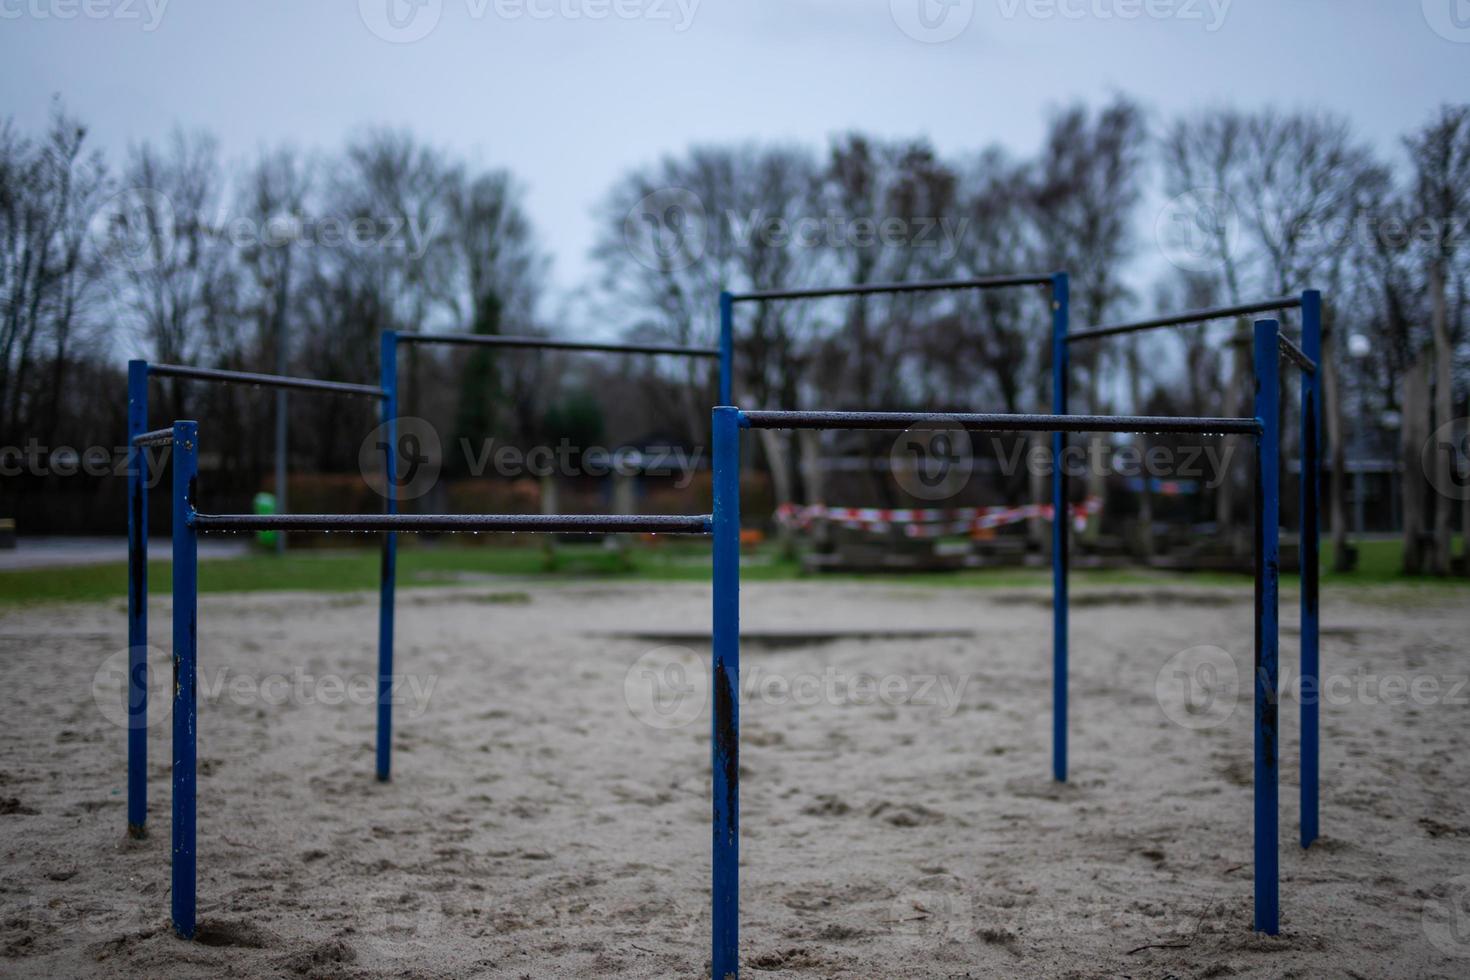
(549, 813)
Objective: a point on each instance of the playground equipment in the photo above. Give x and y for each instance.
(725, 656)
(189, 522)
(1306, 358)
(389, 351)
(724, 525)
(139, 439)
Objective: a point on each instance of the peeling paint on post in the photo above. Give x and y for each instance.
(186, 629)
(1268, 520)
(137, 601)
(725, 674)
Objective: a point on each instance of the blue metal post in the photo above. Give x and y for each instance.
(137, 601)
(1059, 530)
(1311, 491)
(725, 684)
(186, 628)
(727, 349)
(388, 378)
(1268, 518)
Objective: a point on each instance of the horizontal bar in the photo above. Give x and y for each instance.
(158, 437)
(996, 423)
(263, 380)
(1188, 316)
(1297, 355)
(560, 523)
(921, 286)
(500, 340)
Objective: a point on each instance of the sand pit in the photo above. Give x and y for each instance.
(549, 814)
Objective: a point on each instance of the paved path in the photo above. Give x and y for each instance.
(49, 552)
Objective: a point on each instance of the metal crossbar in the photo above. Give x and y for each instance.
(558, 523)
(921, 286)
(264, 380)
(1187, 317)
(498, 340)
(1296, 355)
(158, 437)
(996, 423)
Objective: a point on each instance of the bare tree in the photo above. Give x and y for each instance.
(1440, 155)
(49, 275)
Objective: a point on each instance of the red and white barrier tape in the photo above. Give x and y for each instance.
(929, 522)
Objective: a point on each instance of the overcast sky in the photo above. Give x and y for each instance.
(570, 93)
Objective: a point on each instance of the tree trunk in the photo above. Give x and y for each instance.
(1414, 431)
(1465, 498)
(809, 448)
(776, 445)
(1097, 480)
(1240, 370)
(1146, 497)
(1336, 447)
(1443, 413)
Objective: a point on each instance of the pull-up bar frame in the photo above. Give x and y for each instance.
(140, 438)
(189, 523)
(1307, 358)
(725, 654)
(388, 586)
